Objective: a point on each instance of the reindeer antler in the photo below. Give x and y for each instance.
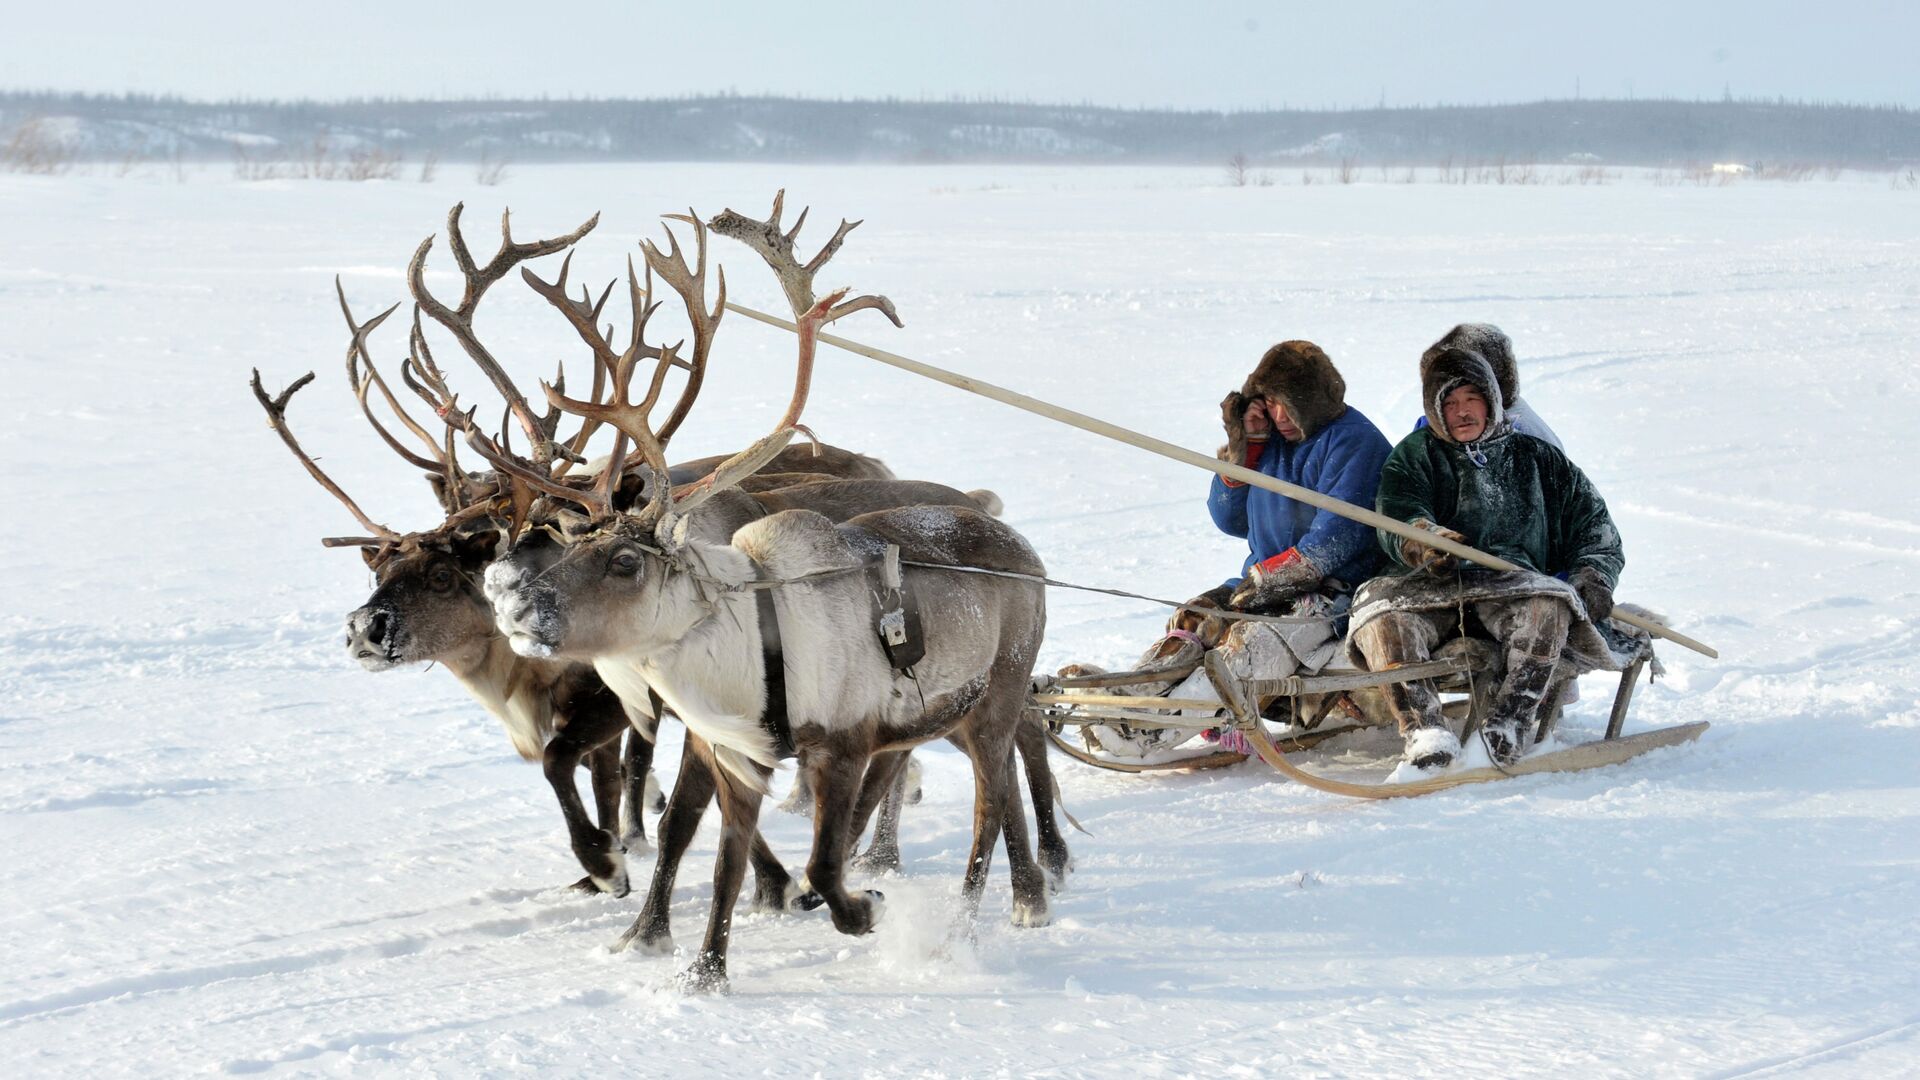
(584, 316)
(691, 284)
(459, 321)
(444, 463)
(796, 279)
(276, 408)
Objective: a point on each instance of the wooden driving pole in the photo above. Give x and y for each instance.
(1181, 453)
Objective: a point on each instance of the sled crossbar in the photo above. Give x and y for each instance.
(1298, 685)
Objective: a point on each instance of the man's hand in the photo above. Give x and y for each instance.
(1272, 583)
(1594, 592)
(1246, 421)
(1421, 557)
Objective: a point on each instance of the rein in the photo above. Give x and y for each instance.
(757, 584)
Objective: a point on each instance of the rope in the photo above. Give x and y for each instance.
(1220, 612)
(801, 579)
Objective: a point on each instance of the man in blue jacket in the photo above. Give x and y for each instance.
(1291, 421)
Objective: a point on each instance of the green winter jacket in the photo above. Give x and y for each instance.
(1528, 503)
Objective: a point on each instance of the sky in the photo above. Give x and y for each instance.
(1192, 55)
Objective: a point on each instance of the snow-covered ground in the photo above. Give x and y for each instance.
(228, 849)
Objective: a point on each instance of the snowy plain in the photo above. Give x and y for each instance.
(230, 850)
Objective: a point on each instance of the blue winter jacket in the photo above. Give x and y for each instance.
(1343, 460)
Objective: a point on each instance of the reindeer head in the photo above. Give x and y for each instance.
(428, 604)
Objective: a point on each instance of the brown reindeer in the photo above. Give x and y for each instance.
(759, 673)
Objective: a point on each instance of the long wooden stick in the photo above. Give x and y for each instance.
(1181, 453)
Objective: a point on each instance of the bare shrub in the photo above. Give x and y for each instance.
(490, 171)
(1410, 176)
(1909, 180)
(1348, 169)
(1264, 179)
(1306, 177)
(1237, 170)
(429, 165)
(246, 166)
(370, 163)
(33, 147)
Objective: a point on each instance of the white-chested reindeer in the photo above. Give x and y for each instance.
(543, 472)
(767, 646)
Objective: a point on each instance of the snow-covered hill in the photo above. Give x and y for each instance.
(230, 850)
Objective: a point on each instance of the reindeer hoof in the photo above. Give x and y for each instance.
(787, 898)
(1028, 914)
(877, 862)
(585, 885)
(705, 976)
(645, 939)
(862, 915)
(1056, 871)
(636, 843)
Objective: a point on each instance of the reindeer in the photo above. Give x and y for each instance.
(758, 674)
(543, 474)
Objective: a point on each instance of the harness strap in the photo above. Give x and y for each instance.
(773, 662)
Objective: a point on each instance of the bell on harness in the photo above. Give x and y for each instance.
(897, 615)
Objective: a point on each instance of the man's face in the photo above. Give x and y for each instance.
(1465, 411)
(1283, 421)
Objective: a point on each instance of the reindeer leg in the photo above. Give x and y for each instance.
(1055, 858)
(773, 887)
(1030, 882)
(596, 848)
(885, 789)
(800, 799)
(992, 765)
(608, 775)
(835, 776)
(740, 810)
(639, 791)
(692, 790)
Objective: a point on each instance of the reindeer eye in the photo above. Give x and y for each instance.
(441, 578)
(625, 562)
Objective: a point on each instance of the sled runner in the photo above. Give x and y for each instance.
(1278, 716)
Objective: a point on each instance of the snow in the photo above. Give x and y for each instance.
(230, 850)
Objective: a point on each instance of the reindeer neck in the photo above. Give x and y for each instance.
(713, 664)
(514, 688)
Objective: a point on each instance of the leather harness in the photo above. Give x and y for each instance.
(896, 622)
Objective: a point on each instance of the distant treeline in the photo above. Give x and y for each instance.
(732, 128)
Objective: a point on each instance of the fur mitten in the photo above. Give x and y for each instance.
(1275, 581)
(1421, 557)
(1233, 417)
(1594, 591)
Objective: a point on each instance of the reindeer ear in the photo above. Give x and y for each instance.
(371, 555)
(477, 546)
(439, 485)
(635, 485)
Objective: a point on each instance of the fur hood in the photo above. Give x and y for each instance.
(1494, 347)
(1441, 373)
(1300, 375)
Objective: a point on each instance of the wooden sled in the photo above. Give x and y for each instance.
(1244, 702)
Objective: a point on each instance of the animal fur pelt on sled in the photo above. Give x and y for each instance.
(1606, 646)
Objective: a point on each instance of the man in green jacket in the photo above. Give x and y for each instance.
(1469, 477)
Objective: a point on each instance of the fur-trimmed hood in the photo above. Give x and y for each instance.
(1299, 374)
(1494, 347)
(1448, 369)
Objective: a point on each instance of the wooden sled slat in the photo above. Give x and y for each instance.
(1215, 760)
(1591, 755)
